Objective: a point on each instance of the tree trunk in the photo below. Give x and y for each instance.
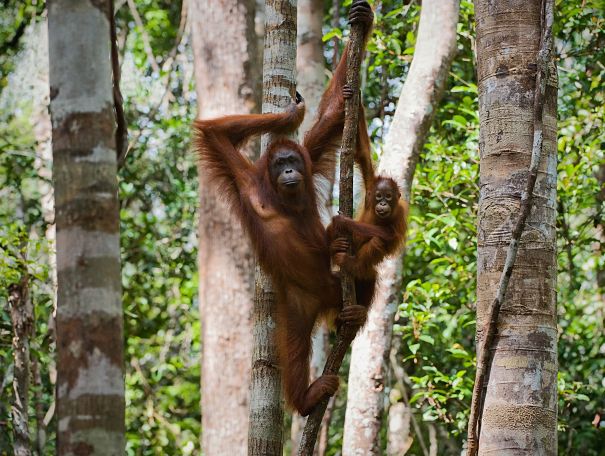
(226, 74)
(265, 434)
(90, 384)
(600, 226)
(417, 103)
(309, 59)
(399, 438)
(520, 406)
(43, 165)
(310, 83)
(22, 318)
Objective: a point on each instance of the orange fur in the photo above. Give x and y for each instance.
(373, 238)
(287, 234)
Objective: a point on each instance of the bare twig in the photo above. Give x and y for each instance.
(167, 67)
(335, 40)
(144, 36)
(322, 445)
(399, 373)
(346, 333)
(483, 352)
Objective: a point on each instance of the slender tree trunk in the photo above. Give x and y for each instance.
(227, 75)
(399, 438)
(43, 165)
(265, 434)
(520, 406)
(40, 439)
(90, 384)
(600, 226)
(310, 82)
(309, 59)
(418, 101)
(22, 318)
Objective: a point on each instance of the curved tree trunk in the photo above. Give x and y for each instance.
(417, 103)
(310, 84)
(90, 384)
(520, 407)
(227, 75)
(265, 433)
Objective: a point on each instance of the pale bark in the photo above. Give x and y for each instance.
(265, 433)
(227, 75)
(399, 439)
(43, 165)
(520, 406)
(417, 104)
(309, 59)
(90, 385)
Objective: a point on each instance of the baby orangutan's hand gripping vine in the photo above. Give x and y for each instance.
(275, 200)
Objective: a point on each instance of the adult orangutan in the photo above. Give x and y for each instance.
(275, 200)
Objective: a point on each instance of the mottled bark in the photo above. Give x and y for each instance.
(265, 432)
(90, 385)
(417, 104)
(22, 319)
(227, 75)
(520, 405)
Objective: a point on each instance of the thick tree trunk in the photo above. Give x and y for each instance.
(90, 384)
(520, 407)
(265, 434)
(227, 75)
(417, 103)
(310, 83)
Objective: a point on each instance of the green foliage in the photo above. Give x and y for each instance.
(435, 327)
(15, 16)
(158, 194)
(580, 222)
(24, 251)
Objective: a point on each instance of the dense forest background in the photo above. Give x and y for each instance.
(435, 323)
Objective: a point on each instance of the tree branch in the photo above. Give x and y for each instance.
(118, 101)
(483, 352)
(146, 41)
(346, 333)
(167, 68)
